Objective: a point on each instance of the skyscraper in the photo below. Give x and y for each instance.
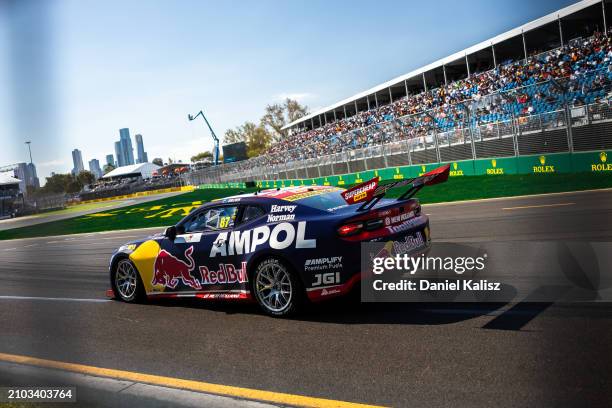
(26, 172)
(94, 167)
(126, 146)
(142, 155)
(77, 161)
(110, 159)
(119, 154)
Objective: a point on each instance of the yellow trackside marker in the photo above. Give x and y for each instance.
(197, 386)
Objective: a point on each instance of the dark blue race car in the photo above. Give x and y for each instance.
(280, 247)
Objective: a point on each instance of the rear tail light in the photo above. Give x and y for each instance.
(350, 229)
(355, 228)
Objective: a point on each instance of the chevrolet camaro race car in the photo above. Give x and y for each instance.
(280, 247)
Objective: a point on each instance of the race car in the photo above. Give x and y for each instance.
(281, 247)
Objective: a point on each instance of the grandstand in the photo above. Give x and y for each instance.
(544, 87)
(9, 195)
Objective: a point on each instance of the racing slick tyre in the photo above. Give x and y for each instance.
(126, 282)
(277, 289)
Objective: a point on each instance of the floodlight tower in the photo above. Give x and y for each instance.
(212, 132)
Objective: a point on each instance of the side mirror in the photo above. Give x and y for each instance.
(170, 233)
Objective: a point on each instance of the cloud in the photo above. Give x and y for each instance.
(51, 163)
(295, 96)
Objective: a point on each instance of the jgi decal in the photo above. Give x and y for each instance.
(329, 278)
(281, 236)
(333, 262)
(227, 273)
(288, 211)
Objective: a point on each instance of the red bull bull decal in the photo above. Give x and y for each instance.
(168, 270)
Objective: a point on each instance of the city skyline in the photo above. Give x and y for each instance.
(124, 155)
(152, 79)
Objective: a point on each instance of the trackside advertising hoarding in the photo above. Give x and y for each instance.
(584, 162)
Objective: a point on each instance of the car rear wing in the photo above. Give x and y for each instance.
(369, 192)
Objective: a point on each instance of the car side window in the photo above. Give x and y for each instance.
(212, 219)
(220, 217)
(251, 212)
(197, 223)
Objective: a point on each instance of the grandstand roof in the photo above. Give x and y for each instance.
(571, 9)
(6, 179)
(144, 169)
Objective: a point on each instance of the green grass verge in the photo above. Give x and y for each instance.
(168, 211)
(509, 185)
(162, 212)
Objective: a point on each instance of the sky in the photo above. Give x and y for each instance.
(74, 72)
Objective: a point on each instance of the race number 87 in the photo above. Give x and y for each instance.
(224, 222)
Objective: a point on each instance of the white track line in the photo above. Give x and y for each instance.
(54, 299)
(538, 206)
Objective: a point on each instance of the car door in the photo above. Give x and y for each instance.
(208, 233)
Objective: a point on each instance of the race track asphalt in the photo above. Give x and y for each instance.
(519, 354)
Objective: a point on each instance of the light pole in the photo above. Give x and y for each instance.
(29, 149)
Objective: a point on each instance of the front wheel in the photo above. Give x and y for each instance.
(277, 289)
(126, 282)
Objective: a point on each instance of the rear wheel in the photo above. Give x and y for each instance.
(277, 289)
(126, 282)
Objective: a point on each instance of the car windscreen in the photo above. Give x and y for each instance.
(326, 201)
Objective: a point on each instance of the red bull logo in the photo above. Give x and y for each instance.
(168, 270)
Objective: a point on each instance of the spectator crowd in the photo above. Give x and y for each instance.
(577, 73)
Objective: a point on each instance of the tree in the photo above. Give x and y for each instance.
(158, 161)
(234, 136)
(256, 138)
(294, 110)
(108, 168)
(61, 183)
(85, 178)
(279, 115)
(201, 156)
(258, 141)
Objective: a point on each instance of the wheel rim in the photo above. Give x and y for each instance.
(126, 279)
(273, 287)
